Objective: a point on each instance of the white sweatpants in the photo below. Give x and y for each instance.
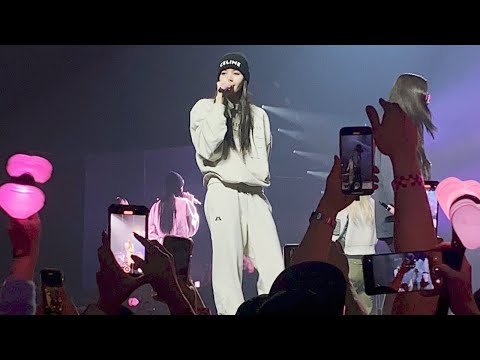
(240, 221)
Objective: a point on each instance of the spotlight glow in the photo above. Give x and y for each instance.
(318, 174)
(297, 135)
(317, 157)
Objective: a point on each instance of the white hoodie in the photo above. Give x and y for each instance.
(360, 238)
(185, 220)
(208, 126)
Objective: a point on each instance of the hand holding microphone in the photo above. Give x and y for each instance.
(224, 88)
(388, 207)
(192, 198)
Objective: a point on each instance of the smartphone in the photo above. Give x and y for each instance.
(181, 248)
(430, 187)
(356, 156)
(52, 281)
(123, 221)
(401, 272)
(288, 251)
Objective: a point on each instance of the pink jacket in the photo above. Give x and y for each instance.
(185, 221)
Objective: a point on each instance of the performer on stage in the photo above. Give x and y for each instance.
(233, 141)
(357, 234)
(175, 212)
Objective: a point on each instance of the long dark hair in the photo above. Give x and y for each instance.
(245, 127)
(410, 92)
(173, 187)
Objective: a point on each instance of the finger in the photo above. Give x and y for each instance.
(101, 254)
(145, 242)
(155, 243)
(138, 261)
(163, 249)
(106, 257)
(373, 117)
(99, 277)
(388, 106)
(336, 161)
(103, 250)
(376, 170)
(160, 247)
(375, 178)
(105, 239)
(375, 186)
(384, 104)
(336, 168)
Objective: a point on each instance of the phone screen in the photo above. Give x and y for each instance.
(124, 221)
(181, 249)
(51, 277)
(401, 272)
(430, 187)
(356, 155)
(52, 281)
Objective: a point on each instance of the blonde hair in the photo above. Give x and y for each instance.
(410, 92)
(361, 211)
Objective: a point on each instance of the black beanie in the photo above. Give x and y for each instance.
(235, 61)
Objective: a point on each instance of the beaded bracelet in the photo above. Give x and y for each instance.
(409, 180)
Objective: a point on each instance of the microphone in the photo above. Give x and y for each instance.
(389, 208)
(224, 89)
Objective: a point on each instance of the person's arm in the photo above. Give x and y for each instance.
(315, 245)
(397, 137)
(413, 225)
(17, 295)
(208, 127)
(413, 229)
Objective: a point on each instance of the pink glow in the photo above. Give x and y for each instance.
(21, 201)
(464, 214)
(133, 301)
(40, 168)
(451, 188)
